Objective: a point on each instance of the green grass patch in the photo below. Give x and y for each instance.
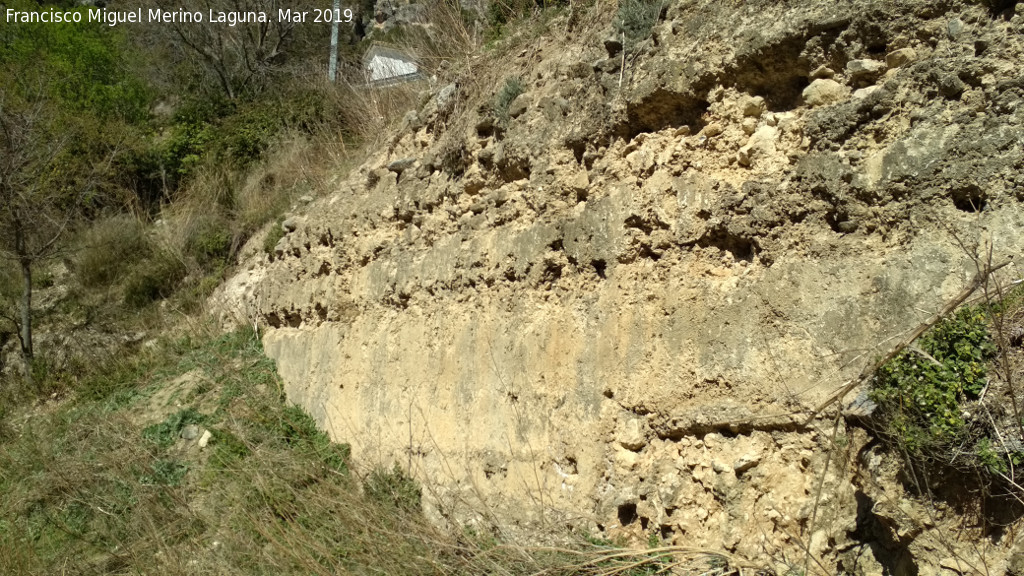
(229, 449)
(87, 485)
(164, 473)
(166, 433)
(512, 88)
(273, 236)
(394, 488)
(635, 20)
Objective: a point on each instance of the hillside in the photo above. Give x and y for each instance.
(651, 287)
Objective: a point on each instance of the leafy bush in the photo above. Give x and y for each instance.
(244, 136)
(183, 152)
(635, 19)
(921, 391)
(217, 131)
(87, 57)
(238, 133)
(995, 461)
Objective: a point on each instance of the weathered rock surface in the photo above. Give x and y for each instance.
(607, 312)
(824, 91)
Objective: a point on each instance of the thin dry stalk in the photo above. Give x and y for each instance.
(820, 490)
(1002, 342)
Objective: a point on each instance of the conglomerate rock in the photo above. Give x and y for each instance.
(604, 310)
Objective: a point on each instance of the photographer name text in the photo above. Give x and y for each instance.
(179, 16)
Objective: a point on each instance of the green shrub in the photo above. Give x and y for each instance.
(164, 473)
(238, 133)
(995, 461)
(244, 137)
(183, 152)
(394, 488)
(298, 430)
(209, 240)
(223, 132)
(921, 391)
(512, 88)
(88, 58)
(165, 434)
(228, 448)
(273, 236)
(635, 19)
(153, 279)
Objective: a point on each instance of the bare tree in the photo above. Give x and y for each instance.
(40, 195)
(238, 57)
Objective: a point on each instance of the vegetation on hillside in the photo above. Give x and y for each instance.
(102, 126)
(202, 135)
(635, 19)
(135, 169)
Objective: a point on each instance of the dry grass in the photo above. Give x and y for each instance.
(295, 167)
(448, 39)
(108, 248)
(372, 112)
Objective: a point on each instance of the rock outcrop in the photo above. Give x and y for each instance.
(605, 309)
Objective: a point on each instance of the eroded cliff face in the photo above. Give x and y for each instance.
(609, 309)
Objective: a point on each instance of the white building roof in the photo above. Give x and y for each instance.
(385, 65)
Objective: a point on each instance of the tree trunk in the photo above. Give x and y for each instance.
(25, 332)
(26, 310)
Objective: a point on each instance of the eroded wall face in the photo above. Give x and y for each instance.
(605, 309)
